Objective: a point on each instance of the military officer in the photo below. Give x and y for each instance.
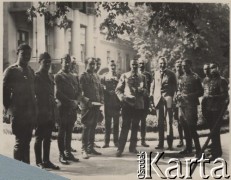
(163, 88)
(112, 104)
(44, 90)
(179, 73)
(148, 77)
(90, 105)
(67, 93)
(19, 101)
(74, 71)
(97, 68)
(215, 94)
(130, 91)
(189, 90)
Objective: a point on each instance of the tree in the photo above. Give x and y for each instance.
(199, 31)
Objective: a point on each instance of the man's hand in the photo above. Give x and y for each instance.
(74, 104)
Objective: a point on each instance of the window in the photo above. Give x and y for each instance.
(83, 43)
(82, 52)
(119, 61)
(127, 62)
(23, 37)
(46, 43)
(108, 56)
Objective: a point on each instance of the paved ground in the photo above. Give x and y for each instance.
(107, 166)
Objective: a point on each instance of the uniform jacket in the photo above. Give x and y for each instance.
(217, 88)
(109, 82)
(91, 88)
(67, 90)
(19, 93)
(91, 92)
(44, 90)
(190, 84)
(128, 87)
(165, 86)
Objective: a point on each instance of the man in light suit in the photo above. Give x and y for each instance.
(162, 90)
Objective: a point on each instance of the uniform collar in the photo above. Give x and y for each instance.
(134, 73)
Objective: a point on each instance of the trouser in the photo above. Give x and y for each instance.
(131, 117)
(43, 138)
(164, 114)
(89, 126)
(65, 133)
(179, 126)
(88, 136)
(216, 149)
(143, 125)
(188, 118)
(109, 115)
(23, 135)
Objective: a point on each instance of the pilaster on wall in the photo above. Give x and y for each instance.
(75, 35)
(39, 45)
(90, 41)
(59, 42)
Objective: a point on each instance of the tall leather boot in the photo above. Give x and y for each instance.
(38, 150)
(169, 141)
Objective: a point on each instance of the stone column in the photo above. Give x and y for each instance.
(59, 42)
(75, 35)
(90, 41)
(39, 45)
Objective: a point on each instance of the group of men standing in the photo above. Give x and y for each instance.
(39, 100)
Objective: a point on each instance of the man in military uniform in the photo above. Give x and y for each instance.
(215, 95)
(19, 101)
(148, 78)
(179, 73)
(44, 90)
(130, 91)
(163, 88)
(189, 90)
(67, 93)
(97, 68)
(90, 104)
(205, 84)
(74, 71)
(112, 104)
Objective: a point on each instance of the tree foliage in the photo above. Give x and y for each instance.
(179, 30)
(199, 31)
(54, 17)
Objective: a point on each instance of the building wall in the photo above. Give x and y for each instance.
(61, 41)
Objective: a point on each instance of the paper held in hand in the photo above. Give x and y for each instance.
(96, 104)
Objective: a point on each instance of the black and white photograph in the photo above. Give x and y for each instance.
(115, 90)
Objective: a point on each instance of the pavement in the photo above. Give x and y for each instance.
(108, 166)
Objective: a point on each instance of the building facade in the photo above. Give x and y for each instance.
(81, 39)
